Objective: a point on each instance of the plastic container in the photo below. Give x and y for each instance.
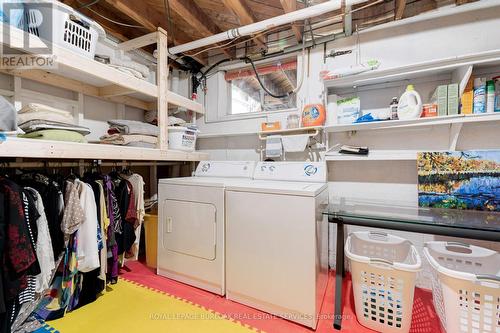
(151, 236)
(293, 121)
(479, 105)
(313, 115)
(410, 104)
(497, 93)
(59, 23)
(465, 286)
(490, 96)
(182, 138)
(384, 268)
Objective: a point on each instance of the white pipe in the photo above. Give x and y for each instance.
(253, 28)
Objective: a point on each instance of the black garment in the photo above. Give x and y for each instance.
(51, 196)
(91, 287)
(3, 227)
(127, 238)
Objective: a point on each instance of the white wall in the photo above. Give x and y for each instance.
(394, 44)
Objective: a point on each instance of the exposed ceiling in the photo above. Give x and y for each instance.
(191, 20)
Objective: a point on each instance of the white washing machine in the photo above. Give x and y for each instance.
(277, 240)
(191, 224)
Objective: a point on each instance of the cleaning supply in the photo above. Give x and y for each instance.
(429, 110)
(270, 126)
(410, 104)
(349, 110)
(440, 97)
(490, 96)
(394, 108)
(497, 93)
(466, 102)
(479, 95)
(313, 115)
(453, 98)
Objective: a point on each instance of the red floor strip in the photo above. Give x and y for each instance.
(424, 319)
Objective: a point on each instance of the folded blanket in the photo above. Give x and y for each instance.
(39, 124)
(124, 139)
(55, 135)
(134, 127)
(35, 107)
(7, 116)
(135, 68)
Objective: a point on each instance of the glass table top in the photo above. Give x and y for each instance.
(404, 212)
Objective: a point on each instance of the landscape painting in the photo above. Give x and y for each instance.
(459, 180)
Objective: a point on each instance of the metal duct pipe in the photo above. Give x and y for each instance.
(247, 30)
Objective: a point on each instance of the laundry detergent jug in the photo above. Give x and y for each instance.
(313, 115)
(410, 104)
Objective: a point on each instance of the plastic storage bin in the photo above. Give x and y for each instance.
(465, 286)
(62, 25)
(151, 229)
(182, 138)
(384, 268)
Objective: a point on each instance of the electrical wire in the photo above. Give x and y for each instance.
(110, 20)
(94, 2)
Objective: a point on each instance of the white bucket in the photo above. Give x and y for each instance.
(182, 138)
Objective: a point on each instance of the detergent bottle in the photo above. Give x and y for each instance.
(410, 104)
(313, 115)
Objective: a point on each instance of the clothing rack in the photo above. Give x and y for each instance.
(53, 165)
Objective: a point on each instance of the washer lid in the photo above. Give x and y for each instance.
(204, 181)
(279, 187)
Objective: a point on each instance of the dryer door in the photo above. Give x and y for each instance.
(190, 228)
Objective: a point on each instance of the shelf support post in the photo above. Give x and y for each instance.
(162, 80)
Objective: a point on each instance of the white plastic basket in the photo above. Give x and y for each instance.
(54, 21)
(465, 286)
(182, 138)
(384, 268)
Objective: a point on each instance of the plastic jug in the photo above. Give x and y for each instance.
(410, 104)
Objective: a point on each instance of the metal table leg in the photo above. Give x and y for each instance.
(339, 274)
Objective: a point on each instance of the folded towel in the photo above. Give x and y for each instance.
(40, 124)
(134, 127)
(274, 147)
(8, 115)
(55, 135)
(126, 139)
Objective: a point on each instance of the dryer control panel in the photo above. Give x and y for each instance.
(315, 172)
(228, 169)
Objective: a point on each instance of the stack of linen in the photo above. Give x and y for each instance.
(131, 133)
(8, 123)
(43, 122)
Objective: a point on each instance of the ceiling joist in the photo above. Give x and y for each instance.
(400, 9)
(291, 6)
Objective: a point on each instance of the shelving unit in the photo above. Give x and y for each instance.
(83, 75)
(455, 69)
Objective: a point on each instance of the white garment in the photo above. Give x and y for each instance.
(44, 252)
(87, 252)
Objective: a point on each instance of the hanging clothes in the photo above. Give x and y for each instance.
(44, 250)
(137, 183)
(53, 202)
(87, 249)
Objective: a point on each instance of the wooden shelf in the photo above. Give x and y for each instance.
(415, 123)
(291, 131)
(81, 74)
(30, 148)
(413, 71)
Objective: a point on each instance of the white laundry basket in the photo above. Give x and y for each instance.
(465, 286)
(182, 138)
(54, 21)
(384, 268)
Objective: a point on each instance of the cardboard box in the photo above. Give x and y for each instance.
(467, 100)
(440, 97)
(453, 98)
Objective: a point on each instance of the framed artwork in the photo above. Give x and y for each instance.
(459, 180)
